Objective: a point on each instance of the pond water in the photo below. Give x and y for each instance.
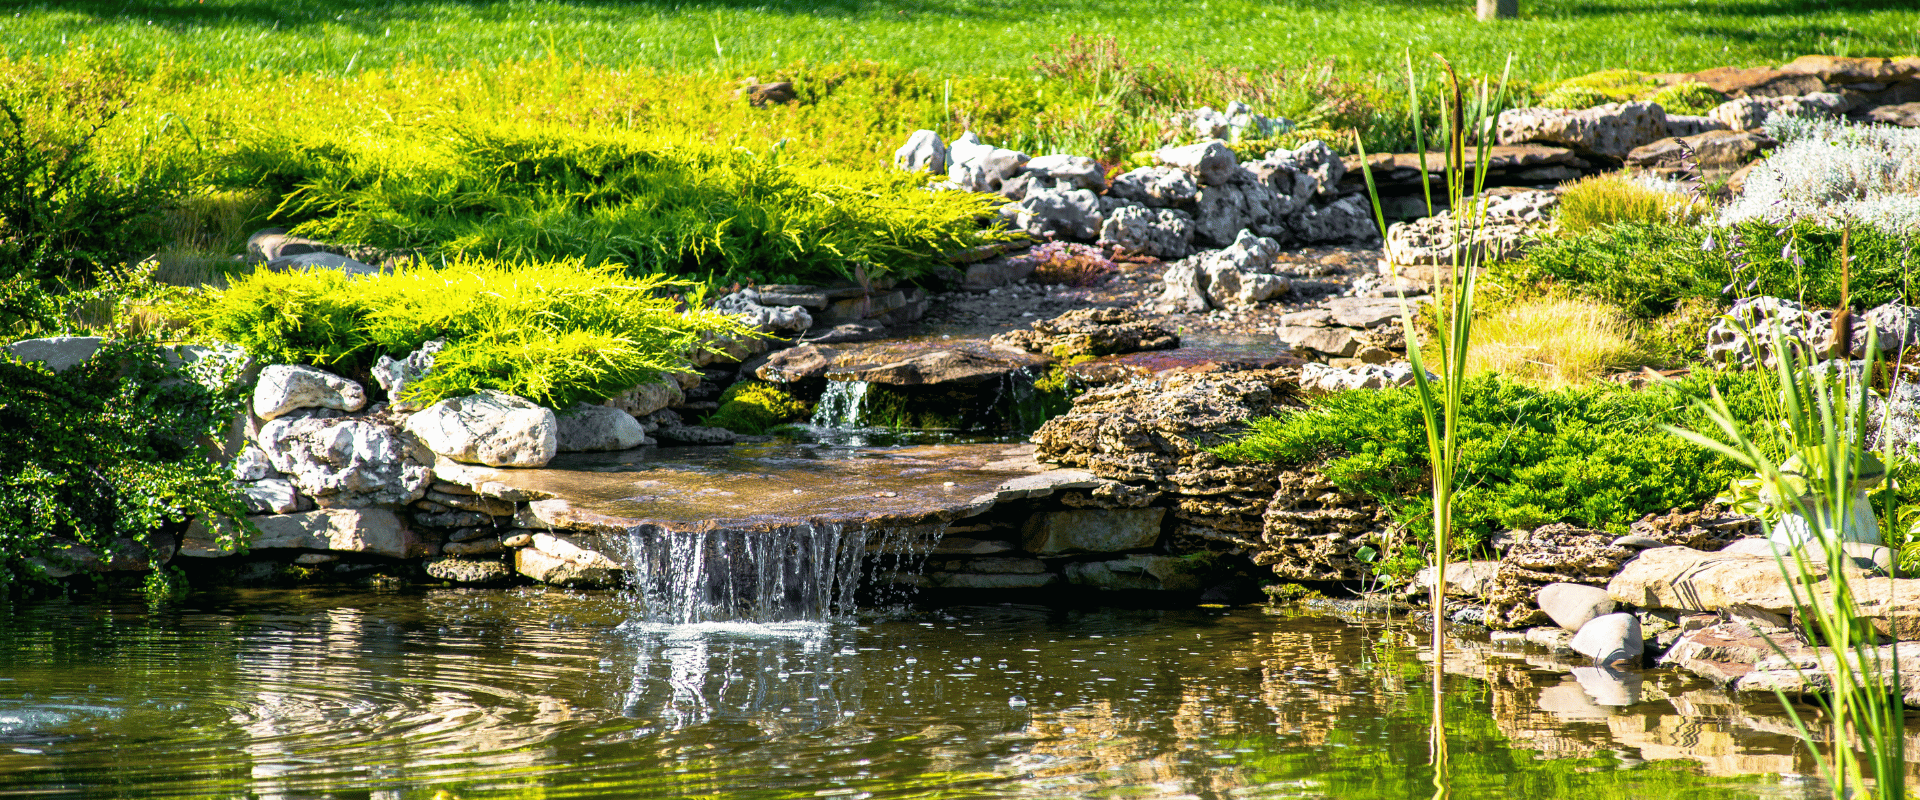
(551, 694)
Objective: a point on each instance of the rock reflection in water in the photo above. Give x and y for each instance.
(783, 679)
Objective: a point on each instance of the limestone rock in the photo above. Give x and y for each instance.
(1222, 283)
(1185, 290)
(1865, 556)
(59, 353)
(350, 462)
(1745, 335)
(1210, 163)
(272, 496)
(1158, 187)
(1721, 150)
(588, 428)
(373, 531)
(268, 244)
(1259, 287)
(1558, 553)
(1611, 130)
(1068, 172)
(1312, 532)
(1091, 332)
(1315, 160)
(1092, 531)
(1572, 605)
(468, 570)
(978, 167)
(1690, 580)
(395, 374)
(899, 363)
(283, 388)
(491, 428)
(1162, 233)
(1222, 211)
(251, 464)
(788, 320)
(923, 152)
(1072, 214)
(647, 398)
(1464, 578)
(1345, 220)
(1610, 639)
(556, 571)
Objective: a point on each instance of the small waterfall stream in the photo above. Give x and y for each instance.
(804, 572)
(841, 405)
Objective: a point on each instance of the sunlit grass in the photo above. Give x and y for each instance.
(1554, 342)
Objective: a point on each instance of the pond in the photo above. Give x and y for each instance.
(557, 694)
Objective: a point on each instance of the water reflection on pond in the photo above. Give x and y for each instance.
(553, 694)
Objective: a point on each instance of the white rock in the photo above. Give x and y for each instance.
(923, 152)
(647, 398)
(1610, 638)
(271, 496)
(1163, 233)
(1572, 605)
(59, 353)
(766, 319)
(350, 462)
(283, 388)
(1210, 163)
(1068, 172)
(587, 428)
(252, 464)
(1185, 292)
(981, 167)
(394, 375)
(1256, 287)
(491, 428)
(1222, 283)
(377, 531)
(1159, 187)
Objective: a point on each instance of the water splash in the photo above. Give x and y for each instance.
(804, 572)
(842, 405)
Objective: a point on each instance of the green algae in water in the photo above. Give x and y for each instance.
(550, 694)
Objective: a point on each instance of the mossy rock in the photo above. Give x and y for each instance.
(1694, 99)
(752, 407)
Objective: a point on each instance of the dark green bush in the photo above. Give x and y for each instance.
(116, 446)
(1650, 268)
(1593, 456)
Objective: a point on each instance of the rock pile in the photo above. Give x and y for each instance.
(1501, 224)
(1746, 335)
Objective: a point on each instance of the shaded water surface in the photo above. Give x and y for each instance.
(536, 693)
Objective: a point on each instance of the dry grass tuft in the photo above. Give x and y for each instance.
(1609, 199)
(1554, 342)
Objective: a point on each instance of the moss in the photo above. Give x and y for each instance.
(1616, 85)
(754, 407)
(1575, 97)
(1688, 98)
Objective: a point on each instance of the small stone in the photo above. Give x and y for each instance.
(1573, 605)
(283, 388)
(1610, 639)
(590, 428)
(468, 570)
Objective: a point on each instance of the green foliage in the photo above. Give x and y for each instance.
(1575, 97)
(755, 407)
(118, 447)
(1611, 199)
(1593, 456)
(1605, 86)
(1688, 98)
(555, 332)
(1650, 268)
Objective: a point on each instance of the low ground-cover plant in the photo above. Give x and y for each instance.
(1554, 341)
(555, 332)
(115, 447)
(1649, 269)
(1595, 455)
(1832, 172)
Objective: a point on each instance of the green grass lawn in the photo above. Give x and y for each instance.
(1552, 39)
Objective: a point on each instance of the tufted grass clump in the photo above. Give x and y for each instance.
(1612, 198)
(1555, 342)
(755, 407)
(557, 332)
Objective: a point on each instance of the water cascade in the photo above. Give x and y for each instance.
(841, 405)
(803, 572)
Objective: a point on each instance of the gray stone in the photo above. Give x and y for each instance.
(59, 353)
(251, 464)
(1136, 572)
(1092, 531)
(787, 319)
(348, 462)
(1315, 160)
(1345, 220)
(1222, 283)
(1162, 233)
(272, 496)
(1071, 172)
(468, 570)
(268, 244)
(696, 434)
(588, 428)
(1610, 639)
(648, 398)
(961, 546)
(1259, 287)
(1185, 290)
(1210, 163)
(453, 519)
(283, 388)
(469, 502)
(309, 261)
(1680, 126)
(999, 566)
(1060, 214)
(1045, 483)
(1155, 186)
(394, 375)
(491, 428)
(923, 152)
(997, 272)
(1638, 542)
(1572, 605)
(475, 547)
(373, 531)
(1222, 212)
(1333, 342)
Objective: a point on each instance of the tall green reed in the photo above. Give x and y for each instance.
(1442, 398)
(1822, 418)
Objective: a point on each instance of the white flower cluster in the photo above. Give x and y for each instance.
(1832, 171)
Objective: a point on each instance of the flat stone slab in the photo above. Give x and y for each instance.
(1197, 355)
(756, 486)
(901, 362)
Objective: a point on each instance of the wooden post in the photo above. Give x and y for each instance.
(1499, 9)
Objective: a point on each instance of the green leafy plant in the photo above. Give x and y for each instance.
(558, 332)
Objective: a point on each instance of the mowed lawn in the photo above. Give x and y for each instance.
(1552, 39)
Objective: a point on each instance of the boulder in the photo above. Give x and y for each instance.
(59, 353)
(1745, 335)
(589, 428)
(785, 319)
(1162, 233)
(1185, 290)
(979, 167)
(1259, 287)
(372, 531)
(1316, 161)
(1210, 163)
(695, 435)
(1721, 150)
(468, 570)
(1684, 125)
(556, 571)
(1345, 220)
(923, 152)
(1158, 187)
(1572, 605)
(1690, 580)
(311, 261)
(251, 464)
(1330, 342)
(350, 462)
(394, 375)
(1611, 130)
(1068, 172)
(1136, 572)
(1248, 253)
(272, 496)
(647, 398)
(1052, 213)
(1610, 639)
(1327, 379)
(283, 388)
(1092, 531)
(1221, 282)
(1221, 212)
(1865, 556)
(491, 428)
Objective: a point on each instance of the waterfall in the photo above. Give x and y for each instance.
(841, 405)
(804, 572)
